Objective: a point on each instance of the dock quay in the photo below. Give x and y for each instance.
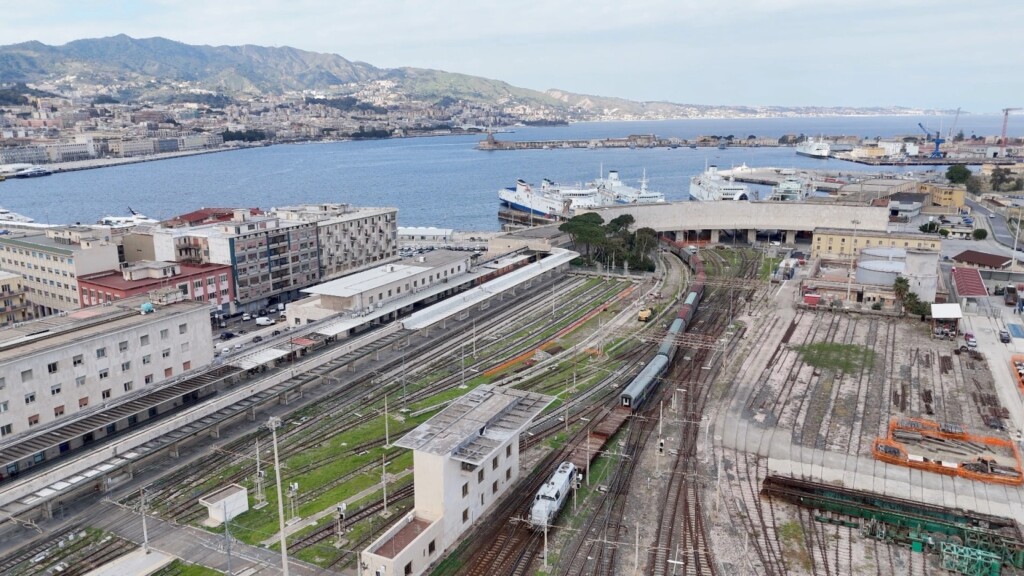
(919, 161)
(631, 141)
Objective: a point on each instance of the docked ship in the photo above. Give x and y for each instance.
(711, 186)
(133, 219)
(791, 189)
(814, 149)
(557, 202)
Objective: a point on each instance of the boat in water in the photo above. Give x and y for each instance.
(133, 219)
(711, 186)
(560, 202)
(791, 189)
(814, 148)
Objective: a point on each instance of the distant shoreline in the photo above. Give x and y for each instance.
(94, 163)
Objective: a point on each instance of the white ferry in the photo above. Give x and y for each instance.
(711, 186)
(814, 149)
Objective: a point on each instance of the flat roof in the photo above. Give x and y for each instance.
(424, 230)
(386, 274)
(471, 428)
(114, 279)
(947, 311)
(44, 333)
(549, 231)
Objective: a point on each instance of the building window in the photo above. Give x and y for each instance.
(58, 411)
(101, 352)
(144, 340)
(408, 568)
(51, 368)
(147, 359)
(182, 328)
(127, 386)
(106, 394)
(104, 373)
(465, 487)
(3, 382)
(5, 430)
(83, 402)
(26, 375)
(122, 346)
(184, 346)
(494, 463)
(126, 366)
(480, 475)
(494, 487)
(465, 515)
(431, 548)
(3, 406)
(165, 334)
(168, 372)
(508, 451)
(166, 353)
(187, 365)
(55, 389)
(149, 378)
(33, 420)
(77, 360)
(80, 381)
(30, 397)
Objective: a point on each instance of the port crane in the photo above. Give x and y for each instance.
(1002, 140)
(938, 139)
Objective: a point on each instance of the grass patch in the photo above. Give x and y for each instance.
(180, 568)
(840, 357)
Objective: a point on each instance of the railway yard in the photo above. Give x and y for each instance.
(778, 440)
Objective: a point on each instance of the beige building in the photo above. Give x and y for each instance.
(350, 239)
(14, 307)
(58, 367)
(944, 195)
(51, 263)
(844, 243)
(465, 459)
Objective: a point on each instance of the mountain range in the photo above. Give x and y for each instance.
(158, 68)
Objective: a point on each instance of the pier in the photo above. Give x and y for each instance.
(631, 141)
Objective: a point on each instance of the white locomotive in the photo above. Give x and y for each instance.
(551, 496)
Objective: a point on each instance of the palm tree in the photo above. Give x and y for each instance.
(901, 288)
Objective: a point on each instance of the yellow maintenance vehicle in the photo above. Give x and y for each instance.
(645, 314)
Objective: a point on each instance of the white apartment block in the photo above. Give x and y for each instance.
(14, 307)
(61, 366)
(271, 258)
(127, 148)
(464, 460)
(70, 151)
(350, 239)
(23, 155)
(51, 263)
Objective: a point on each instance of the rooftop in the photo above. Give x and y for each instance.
(983, 259)
(383, 275)
(968, 283)
(470, 428)
(114, 279)
(27, 338)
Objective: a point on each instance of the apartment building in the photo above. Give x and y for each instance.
(350, 239)
(61, 366)
(846, 243)
(271, 259)
(14, 307)
(51, 263)
(210, 283)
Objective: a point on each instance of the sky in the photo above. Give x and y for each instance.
(943, 54)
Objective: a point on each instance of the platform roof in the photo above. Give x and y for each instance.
(471, 428)
(374, 278)
(947, 311)
(258, 358)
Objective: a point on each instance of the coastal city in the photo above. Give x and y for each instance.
(484, 330)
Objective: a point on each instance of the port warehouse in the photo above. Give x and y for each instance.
(162, 417)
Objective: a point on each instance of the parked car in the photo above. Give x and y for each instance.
(275, 333)
(238, 346)
(264, 321)
(972, 342)
(257, 339)
(227, 335)
(246, 317)
(1004, 336)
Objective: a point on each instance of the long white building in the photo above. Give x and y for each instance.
(63, 366)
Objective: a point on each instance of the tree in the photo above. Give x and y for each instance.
(999, 177)
(973, 184)
(943, 232)
(958, 174)
(901, 289)
(929, 228)
(980, 234)
(584, 230)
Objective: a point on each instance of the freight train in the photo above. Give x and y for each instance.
(646, 381)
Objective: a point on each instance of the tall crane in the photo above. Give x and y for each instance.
(938, 139)
(1002, 140)
(950, 135)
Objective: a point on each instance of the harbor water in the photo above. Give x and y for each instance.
(433, 181)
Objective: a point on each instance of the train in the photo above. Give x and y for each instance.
(552, 496)
(637, 391)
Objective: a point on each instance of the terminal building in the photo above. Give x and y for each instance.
(465, 459)
(61, 367)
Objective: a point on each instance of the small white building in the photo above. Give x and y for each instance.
(424, 235)
(226, 503)
(464, 459)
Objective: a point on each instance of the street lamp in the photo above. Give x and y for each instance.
(853, 256)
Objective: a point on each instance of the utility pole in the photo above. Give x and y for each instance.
(227, 535)
(142, 509)
(387, 436)
(274, 423)
(384, 481)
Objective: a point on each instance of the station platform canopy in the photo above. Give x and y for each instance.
(258, 358)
